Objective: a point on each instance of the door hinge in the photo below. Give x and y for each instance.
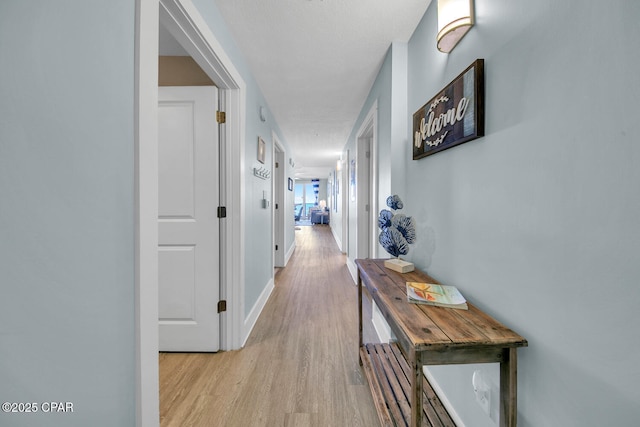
(276, 247)
(276, 206)
(277, 165)
(221, 117)
(222, 211)
(222, 306)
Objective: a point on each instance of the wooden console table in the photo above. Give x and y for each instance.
(428, 335)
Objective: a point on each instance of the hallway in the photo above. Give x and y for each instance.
(299, 366)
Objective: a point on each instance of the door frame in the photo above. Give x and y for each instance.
(344, 193)
(367, 139)
(363, 194)
(279, 197)
(367, 135)
(188, 27)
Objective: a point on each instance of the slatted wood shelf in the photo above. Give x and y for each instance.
(388, 374)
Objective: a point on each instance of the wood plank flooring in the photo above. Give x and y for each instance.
(300, 364)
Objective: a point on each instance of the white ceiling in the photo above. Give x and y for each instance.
(315, 62)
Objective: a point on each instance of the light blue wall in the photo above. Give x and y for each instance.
(399, 133)
(538, 223)
(389, 90)
(67, 210)
(380, 92)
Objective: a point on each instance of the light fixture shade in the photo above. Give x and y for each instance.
(455, 18)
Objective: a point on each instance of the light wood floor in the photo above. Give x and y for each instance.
(299, 366)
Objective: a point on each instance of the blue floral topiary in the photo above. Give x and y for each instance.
(398, 230)
(384, 220)
(394, 202)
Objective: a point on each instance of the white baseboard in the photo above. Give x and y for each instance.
(379, 324)
(353, 269)
(337, 239)
(443, 398)
(252, 318)
(289, 253)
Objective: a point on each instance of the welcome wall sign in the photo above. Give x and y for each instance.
(453, 116)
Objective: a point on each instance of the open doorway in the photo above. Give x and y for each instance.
(188, 28)
(185, 24)
(367, 206)
(279, 203)
(363, 206)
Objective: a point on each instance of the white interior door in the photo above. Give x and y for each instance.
(188, 228)
(364, 197)
(279, 206)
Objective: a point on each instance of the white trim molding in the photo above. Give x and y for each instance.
(184, 22)
(353, 269)
(337, 239)
(290, 252)
(257, 308)
(146, 211)
(370, 125)
(187, 26)
(443, 397)
(279, 194)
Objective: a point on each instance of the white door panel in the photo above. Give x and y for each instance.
(177, 285)
(188, 252)
(177, 152)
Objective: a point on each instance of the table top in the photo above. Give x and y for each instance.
(428, 327)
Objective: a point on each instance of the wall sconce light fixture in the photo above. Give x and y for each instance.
(455, 18)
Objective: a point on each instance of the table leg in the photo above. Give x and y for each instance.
(509, 388)
(360, 337)
(416, 389)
